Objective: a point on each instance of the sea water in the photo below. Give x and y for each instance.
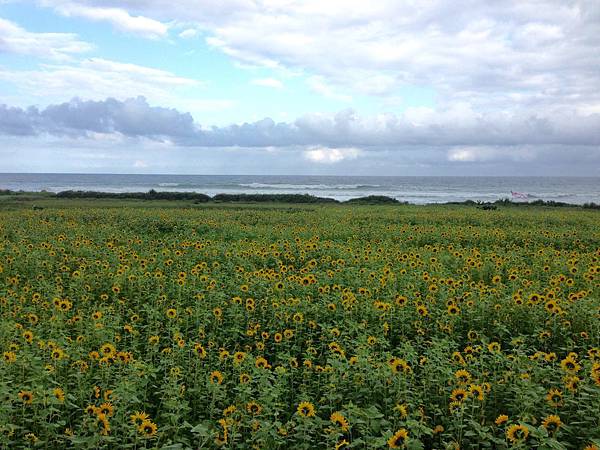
(417, 190)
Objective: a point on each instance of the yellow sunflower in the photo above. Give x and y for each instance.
(399, 439)
(148, 428)
(26, 397)
(517, 433)
(338, 419)
(552, 423)
(501, 419)
(306, 409)
(216, 377)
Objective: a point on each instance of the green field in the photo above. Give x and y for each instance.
(172, 324)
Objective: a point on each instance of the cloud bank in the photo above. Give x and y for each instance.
(134, 117)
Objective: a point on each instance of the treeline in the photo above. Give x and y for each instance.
(539, 202)
(275, 198)
(150, 195)
(197, 197)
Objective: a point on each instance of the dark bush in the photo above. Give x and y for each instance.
(374, 200)
(278, 198)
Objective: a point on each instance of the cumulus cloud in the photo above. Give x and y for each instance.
(453, 127)
(133, 118)
(331, 155)
(57, 46)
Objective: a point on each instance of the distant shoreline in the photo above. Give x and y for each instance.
(271, 198)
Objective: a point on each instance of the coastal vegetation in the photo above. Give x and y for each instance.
(266, 198)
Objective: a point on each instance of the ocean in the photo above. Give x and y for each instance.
(416, 190)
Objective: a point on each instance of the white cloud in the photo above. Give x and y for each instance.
(320, 86)
(140, 164)
(487, 154)
(98, 78)
(188, 34)
(57, 46)
(541, 54)
(117, 17)
(267, 82)
(331, 155)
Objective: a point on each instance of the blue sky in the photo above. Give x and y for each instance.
(339, 87)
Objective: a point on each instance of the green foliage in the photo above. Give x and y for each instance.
(231, 326)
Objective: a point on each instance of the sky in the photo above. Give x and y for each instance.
(391, 87)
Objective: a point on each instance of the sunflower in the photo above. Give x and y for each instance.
(341, 445)
(26, 397)
(245, 378)
(458, 358)
(338, 419)
(106, 408)
(570, 365)
(397, 364)
(229, 410)
(458, 395)
(476, 391)
(454, 407)
(59, 394)
(493, 347)
(462, 376)
(253, 408)
(423, 312)
(261, 363)
(402, 409)
(306, 409)
(138, 417)
(554, 397)
(171, 313)
(572, 382)
(105, 424)
(216, 377)
(108, 350)
(401, 300)
(501, 419)
(238, 357)
(517, 433)
(453, 310)
(147, 428)
(200, 351)
(28, 336)
(399, 439)
(552, 423)
(298, 317)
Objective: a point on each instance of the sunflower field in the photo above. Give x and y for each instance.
(300, 327)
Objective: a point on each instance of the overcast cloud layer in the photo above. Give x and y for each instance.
(510, 83)
(136, 118)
